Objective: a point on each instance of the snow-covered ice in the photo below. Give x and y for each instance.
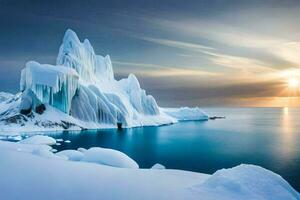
(47, 154)
(109, 157)
(50, 176)
(4, 96)
(53, 150)
(101, 156)
(246, 182)
(158, 166)
(71, 154)
(82, 149)
(39, 139)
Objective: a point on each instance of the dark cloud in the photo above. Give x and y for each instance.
(180, 91)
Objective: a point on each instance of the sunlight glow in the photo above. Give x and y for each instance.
(293, 83)
(286, 110)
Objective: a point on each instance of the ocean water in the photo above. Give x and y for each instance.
(269, 137)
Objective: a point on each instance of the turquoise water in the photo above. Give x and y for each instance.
(269, 137)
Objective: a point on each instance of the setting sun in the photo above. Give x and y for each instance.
(292, 82)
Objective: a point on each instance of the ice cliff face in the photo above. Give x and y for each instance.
(53, 85)
(82, 86)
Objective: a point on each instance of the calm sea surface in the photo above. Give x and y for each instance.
(269, 137)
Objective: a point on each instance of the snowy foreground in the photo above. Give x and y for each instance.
(30, 170)
(80, 92)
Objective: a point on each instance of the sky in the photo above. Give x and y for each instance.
(192, 52)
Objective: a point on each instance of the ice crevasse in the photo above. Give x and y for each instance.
(82, 85)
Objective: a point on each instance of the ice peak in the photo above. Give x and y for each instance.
(70, 35)
(107, 57)
(81, 56)
(88, 45)
(133, 81)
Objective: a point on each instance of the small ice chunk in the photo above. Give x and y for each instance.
(15, 137)
(158, 166)
(39, 139)
(71, 154)
(53, 150)
(57, 144)
(59, 140)
(109, 157)
(67, 141)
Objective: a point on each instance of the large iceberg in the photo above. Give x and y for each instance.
(82, 86)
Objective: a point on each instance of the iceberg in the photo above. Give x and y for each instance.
(185, 113)
(82, 88)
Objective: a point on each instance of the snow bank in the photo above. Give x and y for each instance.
(71, 154)
(246, 182)
(101, 156)
(109, 157)
(53, 177)
(82, 150)
(39, 139)
(47, 154)
(28, 148)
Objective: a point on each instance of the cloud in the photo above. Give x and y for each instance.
(238, 62)
(243, 64)
(287, 50)
(266, 34)
(160, 70)
(178, 44)
(193, 92)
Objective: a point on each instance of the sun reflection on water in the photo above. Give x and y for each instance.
(287, 131)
